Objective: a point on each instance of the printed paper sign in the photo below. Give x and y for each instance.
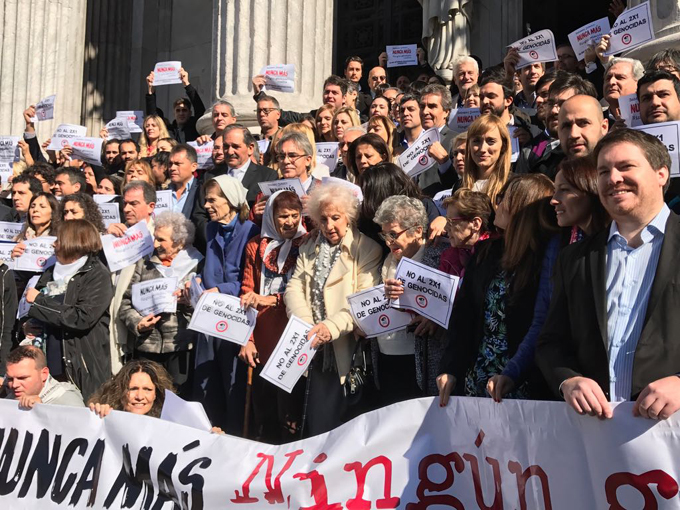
(538, 47)
(222, 316)
(372, 312)
(631, 29)
(25, 306)
(64, 134)
(9, 154)
(463, 117)
(263, 145)
(163, 201)
(270, 187)
(327, 154)
(279, 78)
(133, 245)
(630, 110)
(669, 134)
(439, 198)
(402, 55)
(342, 182)
(588, 35)
(110, 212)
(39, 255)
(6, 254)
(155, 296)
(204, 153)
(415, 160)
(9, 231)
(166, 73)
(514, 144)
(88, 149)
(44, 110)
(292, 356)
(135, 119)
(196, 289)
(427, 291)
(189, 414)
(102, 199)
(118, 128)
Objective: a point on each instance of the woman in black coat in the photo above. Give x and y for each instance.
(71, 304)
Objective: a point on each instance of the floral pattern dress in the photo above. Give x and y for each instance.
(493, 349)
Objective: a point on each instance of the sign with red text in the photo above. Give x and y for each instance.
(38, 256)
(135, 119)
(537, 47)
(166, 73)
(203, 153)
(463, 117)
(631, 29)
(133, 245)
(415, 160)
(155, 296)
(44, 110)
(402, 55)
(118, 128)
(291, 357)
(371, 311)
(588, 35)
(221, 316)
(88, 149)
(630, 110)
(279, 78)
(669, 134)
(64, 134)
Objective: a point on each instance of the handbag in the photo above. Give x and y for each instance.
(359, 379)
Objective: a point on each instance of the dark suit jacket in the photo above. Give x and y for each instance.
(8, 214)
(190, 202)
(574, 338)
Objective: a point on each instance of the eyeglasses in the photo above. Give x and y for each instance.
(451, 221)
(266, 111)
(292, 156)
(390, 237)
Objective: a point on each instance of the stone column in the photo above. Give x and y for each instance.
(495, 25)
(41, 53)
(666, 21)
(249, 34)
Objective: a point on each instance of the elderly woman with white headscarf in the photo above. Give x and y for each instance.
(270, 261)
(227, 234)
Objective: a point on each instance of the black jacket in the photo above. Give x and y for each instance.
(82, 322)
(8, 214)
(187, 132)
(8, 294)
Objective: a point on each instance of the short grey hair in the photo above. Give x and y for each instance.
(635, 64)
(354, 87)
(358, 129)
(463, 59)
(406, 211)
(148, 191)
(300, 140)
(336, 195)
(182, 229)
(225, 103)
(439, 90)
(248, 137)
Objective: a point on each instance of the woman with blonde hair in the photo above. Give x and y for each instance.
(324, 124)
(385, 129)
(344, 117)
(139, 170)
(153, 130)
(487, 158)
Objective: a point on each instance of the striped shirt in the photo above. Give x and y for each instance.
(630, 274)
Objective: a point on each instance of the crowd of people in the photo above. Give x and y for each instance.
(566, 250)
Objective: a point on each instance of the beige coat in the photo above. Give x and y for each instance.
(357, 268)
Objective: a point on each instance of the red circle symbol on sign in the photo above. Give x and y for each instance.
(221, 326)
(64, 143)
(533, 54)
(384, 320)
(421, 301)
(423, 160)
(41, 261)
(302, 359)
(626, 39)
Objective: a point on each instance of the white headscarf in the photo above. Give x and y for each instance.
(232, 189)
(269, 230)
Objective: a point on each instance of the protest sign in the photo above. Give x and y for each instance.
(415, 160)
(291, 357)
(342, 182)
(133, 245)
(372, 312)
(204, 154)
(439, 198)
(588, 35)
(135, 119)
(537, 47)
(190, 414)
(263, 145)
(630, 110)
(270, 187)
(155, 296)
(631, 29)
(195, 290)
(222, 316)
(25, 306)
(279, 77)
(163, 201)
(9, 231)
(463, 117)
(9, 154)
(327, 154)
(64, 134)
(402, 55)
(118, 128)
(669, 134)
(514, 144)
(110, 212)
(39, 255)
(44, 110)
(474, 453)
(166, 73)
(427, 291)
(6, 254)
(87, 149)
(103, 199)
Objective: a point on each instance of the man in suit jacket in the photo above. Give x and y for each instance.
(612, 330)
(183, 183)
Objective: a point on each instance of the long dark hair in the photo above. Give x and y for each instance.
(581, 173)
(382, 181)
(374, 141)
(54, 219)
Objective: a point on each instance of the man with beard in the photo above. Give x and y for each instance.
(528, 77)
(581, 125)
(620, 79)
(112, 160)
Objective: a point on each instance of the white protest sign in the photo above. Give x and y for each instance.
(538, 47)
(270, 187)
(427, 291)
(463, 117)
(588, 35)
(514, 144)
(402, 55)
(103, 199)
(9, 154)
(291, 357)
(342, 182)
(64, 134)
(669, 134)
(279, 77)
(415, 160)
(631, 29)
(189, 414)
(630, 110)
(222, 316)
(327, 154)
(110, 213)
(263, 145)
(24, 306)
(118, 128)
(44, 110)
(195, 290)
(439, 198)
(9, 231)
(135, 119)
(6, 254)
(166, 73)
(88, 149)
(39, 255)
(155, 296)
(372, 312)
(204, 153)
(163, 201)
(133, 245)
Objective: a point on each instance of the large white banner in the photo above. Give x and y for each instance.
(414, 455)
